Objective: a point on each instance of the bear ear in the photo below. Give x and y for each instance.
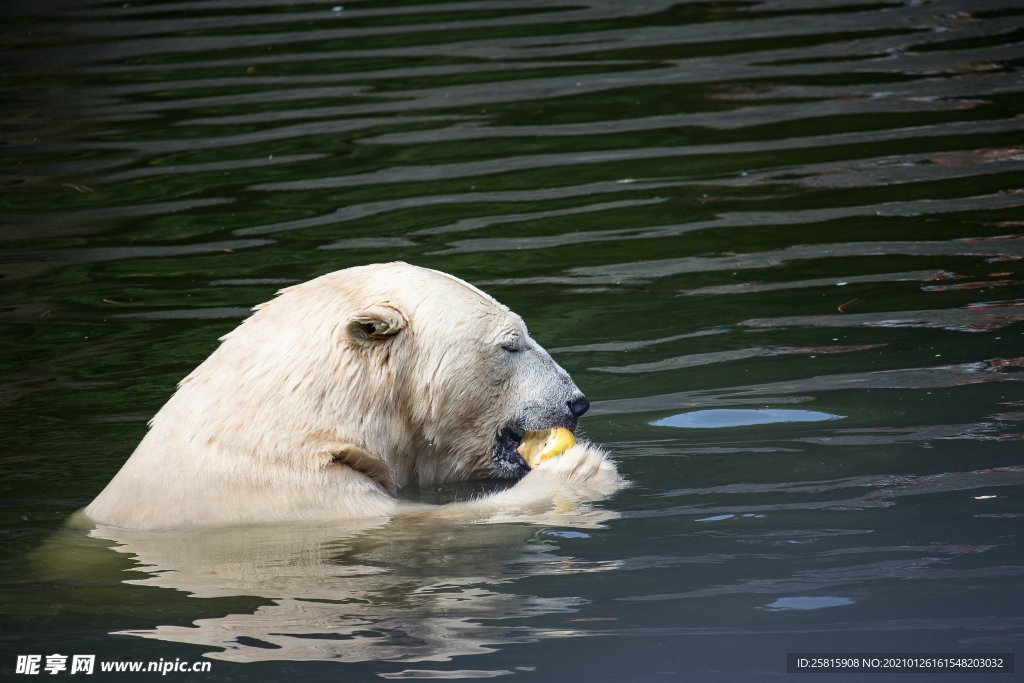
(375, 323)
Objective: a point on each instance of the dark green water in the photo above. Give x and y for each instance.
(778, 244)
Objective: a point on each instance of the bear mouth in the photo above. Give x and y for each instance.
(508, 462)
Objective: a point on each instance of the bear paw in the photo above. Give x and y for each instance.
(558, 490)
(584, 469)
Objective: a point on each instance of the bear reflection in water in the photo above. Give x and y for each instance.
(405, 591)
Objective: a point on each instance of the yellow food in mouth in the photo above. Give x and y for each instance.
(536, 447)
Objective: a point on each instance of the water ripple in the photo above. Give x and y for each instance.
(783, 209)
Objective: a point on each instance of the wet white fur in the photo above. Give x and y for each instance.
(291, 413)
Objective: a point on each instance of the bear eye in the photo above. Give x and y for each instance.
(512, 345)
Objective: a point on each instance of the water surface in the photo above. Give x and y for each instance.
(742, 217)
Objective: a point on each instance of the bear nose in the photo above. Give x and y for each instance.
(579, 405)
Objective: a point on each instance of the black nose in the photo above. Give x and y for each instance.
(579, 405)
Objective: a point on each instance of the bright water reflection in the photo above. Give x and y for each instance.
(706, 210)
(373, 592)
(716, 419)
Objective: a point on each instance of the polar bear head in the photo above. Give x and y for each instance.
(405, 373)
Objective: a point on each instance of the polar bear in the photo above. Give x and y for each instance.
(342, 391)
